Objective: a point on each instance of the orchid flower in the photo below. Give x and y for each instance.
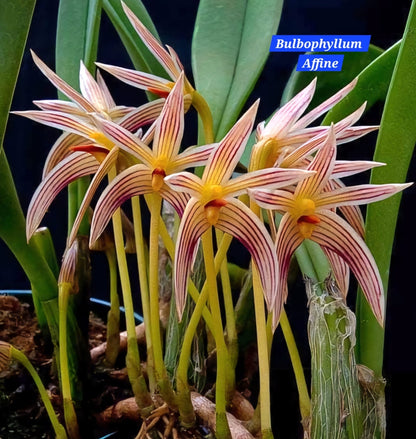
(168, 59)
(287, 130)
(213, 203)
(77, 118)
(95, 155)
(309, 214)
(64, 163)
(155, 165)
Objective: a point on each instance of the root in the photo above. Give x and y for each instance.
(98, 351)
(205, 410)
(165, 421)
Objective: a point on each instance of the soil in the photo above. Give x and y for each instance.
(22, 414)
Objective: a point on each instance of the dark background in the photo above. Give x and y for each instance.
(27, 144)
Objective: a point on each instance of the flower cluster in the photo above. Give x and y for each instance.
(293, 170)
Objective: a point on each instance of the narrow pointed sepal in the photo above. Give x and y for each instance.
(338, 236)
(74, 166)
(192, 226)
(239, 221)
(135, 180)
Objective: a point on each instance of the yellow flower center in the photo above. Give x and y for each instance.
(306, 218)
(102, 140)
(211, 192)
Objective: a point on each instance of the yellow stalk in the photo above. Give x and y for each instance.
(134, 371)
(304, 400)
(222, 428)
(144, 287)
(70, 416)
(201, 106)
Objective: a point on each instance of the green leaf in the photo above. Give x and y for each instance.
(330, 82)
(76, 38)
(15, 18)
(372, 86)
(139, 54)
(230, 46)
(395, 145)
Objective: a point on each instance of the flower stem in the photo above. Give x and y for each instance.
(144, 287)
(201, 106)
(160, 369)
(229, 307)
(113, 315)
(304, 400)
(134, 371)
(69, 411)
(222, 428)
(263, 355)
(57, 426)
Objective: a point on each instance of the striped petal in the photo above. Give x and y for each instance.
(108, 99)
(91, 90)
(263, 178)
(69, 169)
(102, 171)
(135, 180)
(58, 105)
(353, 133)
(351, 213)
(280, 200)
(153, 44)
(169, 128)
(325, 106)
(338, 236)
(143, 115)
(340, 270)
(239, 221)
(193, 156)
(225, 157)
(283, 120)
(185, 182)
(178, 200)
(192, 226)
(61, 85)
(288, 239)
(357, 195)
(126, 140)
(313, 144)
(59, 120)
(60, 150)
(346, 168)
(142, 80)
(119, 111)
(323, 164)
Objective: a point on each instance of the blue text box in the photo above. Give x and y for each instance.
(320, 63)
(320, 43)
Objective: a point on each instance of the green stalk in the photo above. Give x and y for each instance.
(231, 332)
(137, 381)
(304, 400)
(263, 355)
(161, 375)
(57, 426)
(71, 421)
(144, 288)
(222, 429)
(113, 315)
(183, 393)
(204, 112)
